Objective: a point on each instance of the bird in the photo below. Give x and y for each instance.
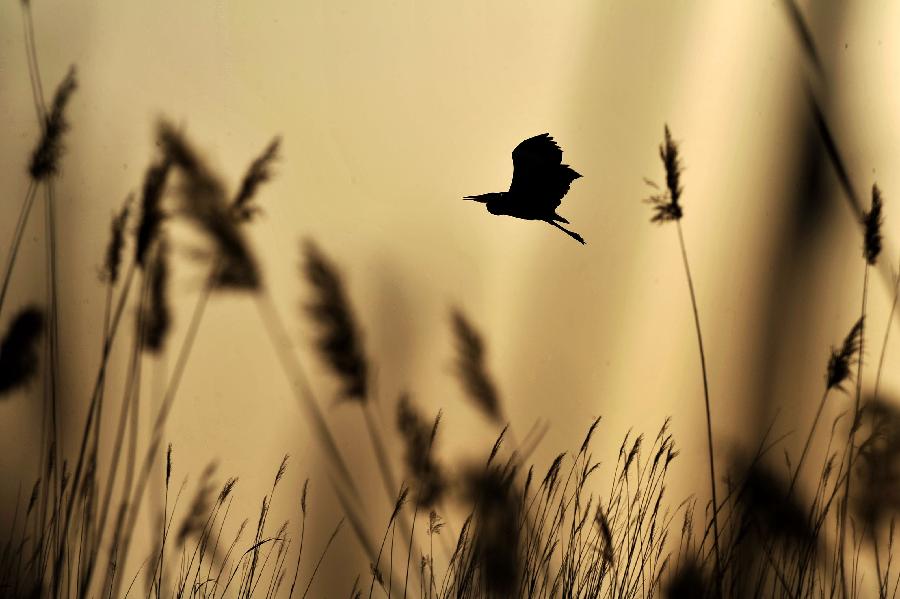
(539, 182)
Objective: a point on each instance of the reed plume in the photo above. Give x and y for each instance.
(428, 479)
(19, 349)
(667, 208)
(49, 150)
(152, 214)
(113, 258)
(842, 358)
(471, 369)
(872, 221)
(156, 313)
(667, 205)
(204, 204)
(243, 208)
(340, 340)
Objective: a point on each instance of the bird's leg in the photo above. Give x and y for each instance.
(571, 234)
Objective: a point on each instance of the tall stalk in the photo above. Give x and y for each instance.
(709, 433)
(852, 437)
(667, 208)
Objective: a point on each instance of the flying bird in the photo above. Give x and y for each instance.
(539, 182)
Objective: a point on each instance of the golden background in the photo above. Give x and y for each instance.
(390, 112)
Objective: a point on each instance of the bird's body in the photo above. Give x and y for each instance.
(539, 182)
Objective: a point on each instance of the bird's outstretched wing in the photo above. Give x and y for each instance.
(538, 172)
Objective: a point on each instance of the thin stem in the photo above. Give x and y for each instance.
(853, 426)
(162, 416)
(300, 385)
(387, 474)
(299, 555)
(882, 590)
(34, 72)
(809, 438)
(128, 404)
(887, 333)
(709, 434)
(93, 413)
(322, 557)
(53, 362)
(384, 466)
(16, 242)
(410, 550)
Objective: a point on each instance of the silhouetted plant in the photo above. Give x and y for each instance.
(260, 171)
(418, 437)
(19, 349)
(666, 208)
(340, 341)
(113, 261)
(471, 369)
(49, 150)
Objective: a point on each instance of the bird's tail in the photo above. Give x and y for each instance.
(571, 234)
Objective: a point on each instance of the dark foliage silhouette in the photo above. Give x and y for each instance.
(471, 369)
(19, 350)
(540, 181)
(46, 156)
(339, 339)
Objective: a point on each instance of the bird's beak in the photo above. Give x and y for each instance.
(475, 199)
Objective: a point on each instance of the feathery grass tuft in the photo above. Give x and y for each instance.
(260, 171)
(842, 358)
(113, 261)
(872, 221)
(471, 369)
(667, 205)
(19, 349)
(49, 150)
(204, 204)
(428, 478)
(152, 214)
(340, 340)
(156, 314)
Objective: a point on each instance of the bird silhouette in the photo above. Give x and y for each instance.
(539, 182)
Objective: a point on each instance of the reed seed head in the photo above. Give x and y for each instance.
(113, 261)
(418, 439)
(872, 221)
(19, 350)
(667, 204)
(156, 315)
(49, 150)
(471, 369)
(842, 358)
(243, 208)
(151, 209)
(303, 496)
(204, 204)
(340, 340)
(168, 464)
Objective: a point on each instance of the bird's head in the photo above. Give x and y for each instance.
(495, 205)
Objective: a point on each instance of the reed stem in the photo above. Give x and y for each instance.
(709, 433)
